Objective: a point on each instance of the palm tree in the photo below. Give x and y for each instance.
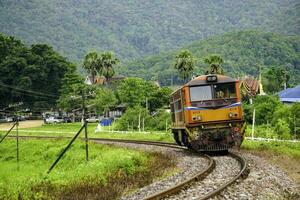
(185, 64)
(214, 62)
(92, 65)
(107, 62)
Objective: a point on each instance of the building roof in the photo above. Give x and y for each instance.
(290, 94)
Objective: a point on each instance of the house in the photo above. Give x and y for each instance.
(290, 95)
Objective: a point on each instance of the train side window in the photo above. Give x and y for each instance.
(177, 105)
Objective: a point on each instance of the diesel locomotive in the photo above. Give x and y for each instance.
(207, 114)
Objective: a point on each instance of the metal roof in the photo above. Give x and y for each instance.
(290, 94)
(201, 80)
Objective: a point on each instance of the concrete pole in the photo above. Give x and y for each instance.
(253, 124)
(140, 122)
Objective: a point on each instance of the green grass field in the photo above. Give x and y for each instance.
(70, 129)
(29, 179)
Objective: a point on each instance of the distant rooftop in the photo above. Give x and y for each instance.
(290, 95)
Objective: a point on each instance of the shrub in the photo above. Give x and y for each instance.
(282, 129)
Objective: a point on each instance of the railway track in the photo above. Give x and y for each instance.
(178, 188)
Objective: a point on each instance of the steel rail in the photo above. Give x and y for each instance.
(177, 188)
(243, 173)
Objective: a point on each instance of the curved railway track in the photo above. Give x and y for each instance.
(184, 184)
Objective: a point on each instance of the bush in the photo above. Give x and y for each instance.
(130, 119)
(282, 129)
(160, 119)
(265, 107)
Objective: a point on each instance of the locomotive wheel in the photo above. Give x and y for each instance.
(185, 140)
(176, 138)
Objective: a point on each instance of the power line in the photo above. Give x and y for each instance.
(29, 91)
(37, 96)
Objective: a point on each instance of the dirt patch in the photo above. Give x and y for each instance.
(290, 165)
(22, 124)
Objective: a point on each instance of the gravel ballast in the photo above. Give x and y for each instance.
(264, 181)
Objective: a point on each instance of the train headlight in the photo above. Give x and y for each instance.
(211, 78)
(233, 115)
(197, 118)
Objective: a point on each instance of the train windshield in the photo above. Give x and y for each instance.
(201, 93)
(226, 91)
(215, 91)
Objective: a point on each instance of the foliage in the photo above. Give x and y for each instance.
(91, 65)
(185, 64)
(214, 62)
(136, 92)
(108, 61)
(241, 51)
(133, 119)
(265, 106)
(31, 181)
(101, 64)
(31, 75)
(72, 84)
(104, 100)
(282, 129)
(161, 120)
(133, 29)
(275, 78)
(272, 118)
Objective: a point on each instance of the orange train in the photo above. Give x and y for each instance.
(207, 113)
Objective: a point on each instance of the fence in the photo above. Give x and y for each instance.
(270, 139)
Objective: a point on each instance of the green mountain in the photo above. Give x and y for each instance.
(135, 28)
(242, 51)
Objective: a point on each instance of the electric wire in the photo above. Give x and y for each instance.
(29, 91)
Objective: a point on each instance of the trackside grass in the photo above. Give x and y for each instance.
(286, 148)
(109, 172)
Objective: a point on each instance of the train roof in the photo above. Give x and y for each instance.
(201, 80)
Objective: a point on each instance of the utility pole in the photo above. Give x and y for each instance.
(85, 127)
(139, 122)
(17, 138)
(253, 124)
(295, 127)
(166, 125)
(143, 124)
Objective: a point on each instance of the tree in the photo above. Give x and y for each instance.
(72, 83)
(275, 79)
(31, 75)
(138, 92)
(133, 118)
(105, 100)
(133, 91)
(214, 62)
(107, 62)
(92, 65)
(159, 98)
(185, 64)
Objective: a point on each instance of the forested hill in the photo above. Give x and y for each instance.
(242, 52)
(135, 28)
